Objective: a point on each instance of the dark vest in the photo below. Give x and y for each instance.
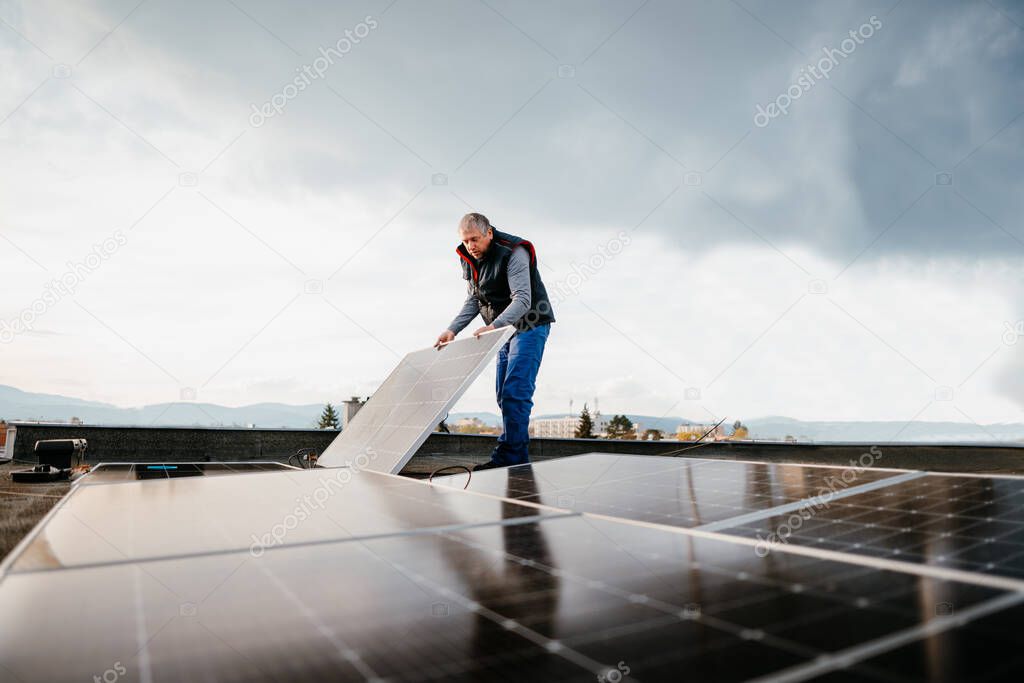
(488, 280)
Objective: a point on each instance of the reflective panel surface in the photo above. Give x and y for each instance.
(969, 523)
(411, 402)
(381, 577)
(565, 599)
(202, 515)
(113, 473)
(684, 492)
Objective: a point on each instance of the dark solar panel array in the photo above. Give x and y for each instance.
(968, 523)
(390, 578)
(680, 492)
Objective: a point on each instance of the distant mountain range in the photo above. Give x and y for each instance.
(21, 405)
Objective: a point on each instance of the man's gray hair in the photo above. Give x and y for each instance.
(475, 220)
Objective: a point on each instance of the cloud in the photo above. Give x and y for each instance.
(359, 182)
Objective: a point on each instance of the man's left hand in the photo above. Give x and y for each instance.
(483, 330)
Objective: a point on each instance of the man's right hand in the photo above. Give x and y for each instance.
(444, 338)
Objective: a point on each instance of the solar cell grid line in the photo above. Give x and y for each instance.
(815, 502)
(888, 563)
(674, 611)
(812, 465)
(703, 567)
(894, 520)
(973, 557)
(688, 463)
(891, 541)
(171, 518)
(702, 492)
(1008, 476)
(414, 398)
(972, 524)
(624, 598)
(942, 473)
(308, 570)
(343, 649)
(992, 555)
(826, 588)
(681, 462)
(894, 564)
(865, 651)
(362, 538)
(756, 625)
(554, 487)
(937, 490)
(552, 646)
(789, 626)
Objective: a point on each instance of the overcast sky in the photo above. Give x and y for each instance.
(856, 256)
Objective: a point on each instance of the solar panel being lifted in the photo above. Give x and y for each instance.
(392, 425)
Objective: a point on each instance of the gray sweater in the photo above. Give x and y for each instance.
(518, 284)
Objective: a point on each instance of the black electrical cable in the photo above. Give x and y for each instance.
(697, 443)
(430, 479)
(303, 464)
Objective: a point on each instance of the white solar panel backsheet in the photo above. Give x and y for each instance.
(398, 418)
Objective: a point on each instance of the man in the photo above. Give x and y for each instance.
(505, 288)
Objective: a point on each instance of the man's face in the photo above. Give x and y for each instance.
(475, 242)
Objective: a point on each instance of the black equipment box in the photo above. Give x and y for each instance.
(63, 454)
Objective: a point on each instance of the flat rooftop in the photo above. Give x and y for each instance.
(619, 566)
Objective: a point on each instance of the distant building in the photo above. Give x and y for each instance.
(554, 427)
(473, 425)
(3, 437)
(565, 427)
(692, 432)
(349, 410)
